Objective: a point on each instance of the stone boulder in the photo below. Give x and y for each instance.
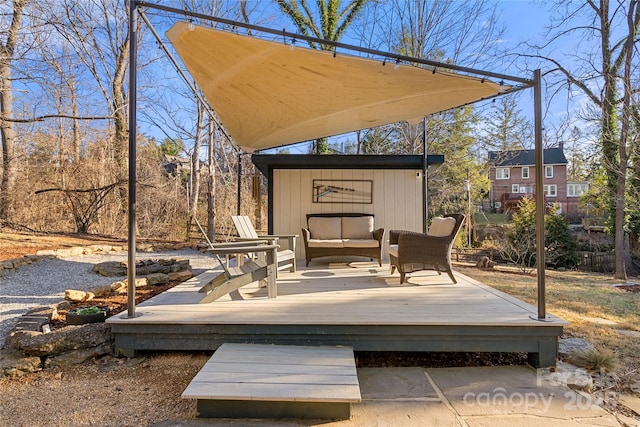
(14, 363)
(76, 357)
(110, 269)
(78, 296)
(485, 263)
(157, 278)
(61, 340)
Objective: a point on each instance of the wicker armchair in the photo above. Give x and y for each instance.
(410, 251)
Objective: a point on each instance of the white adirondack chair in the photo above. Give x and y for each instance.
(286, 257)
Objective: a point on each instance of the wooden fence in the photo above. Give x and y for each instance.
(472, 255)
(599, 262)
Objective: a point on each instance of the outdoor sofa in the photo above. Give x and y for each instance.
(342, 234)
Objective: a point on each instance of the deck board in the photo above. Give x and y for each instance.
(364, 307)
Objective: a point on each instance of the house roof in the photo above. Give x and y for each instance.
(551, 156)
(268, 94)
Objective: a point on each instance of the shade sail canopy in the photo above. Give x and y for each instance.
(267, 94)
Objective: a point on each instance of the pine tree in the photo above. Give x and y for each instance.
(560, 244)
(522, 239)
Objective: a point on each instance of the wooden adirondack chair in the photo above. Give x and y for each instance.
(233, 278)
(286, 257)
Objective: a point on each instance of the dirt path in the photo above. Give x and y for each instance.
(17, 245)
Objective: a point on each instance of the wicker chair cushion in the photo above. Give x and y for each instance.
(325, 228)
(360, 243)
(393, 250)
(357, 227)
(441, 227)
(329, 243)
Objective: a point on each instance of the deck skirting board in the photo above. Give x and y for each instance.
(540, 342)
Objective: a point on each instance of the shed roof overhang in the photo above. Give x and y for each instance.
(268, 94)
(268, 162)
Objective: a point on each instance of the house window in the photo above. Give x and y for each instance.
(551, 190)
(577, 190)
(515, 188)
(548, 171)
(502, 173)
(525, 172)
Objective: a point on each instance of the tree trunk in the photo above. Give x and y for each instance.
(195, 164)
(211, 193)
(7, 129)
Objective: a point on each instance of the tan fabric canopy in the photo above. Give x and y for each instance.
(268, 95)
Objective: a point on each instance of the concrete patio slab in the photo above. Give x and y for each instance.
(395, 384)
(487, 395)
(503, 396)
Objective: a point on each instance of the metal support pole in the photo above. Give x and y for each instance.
(467, 191)
(540, 205)
(239, 183)
(131, 255)
(425, 182)
(211, 205)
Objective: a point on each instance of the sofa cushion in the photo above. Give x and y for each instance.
(360, 227)
(325, 243)
(441, 227)
(360, 243)
(325, 228)
(393, 250)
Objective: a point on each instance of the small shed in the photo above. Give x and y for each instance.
(391, 187)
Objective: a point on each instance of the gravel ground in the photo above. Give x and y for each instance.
(45, 281)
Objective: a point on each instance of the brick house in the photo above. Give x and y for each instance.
(512, 176)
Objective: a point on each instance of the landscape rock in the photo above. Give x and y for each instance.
(77, 296)
(76, 250)
(63, 253)
(575, 378)
(60, 340)
(569, 346)
(102, 291)
(14, 363)
(46, 253)
(101, 248)
(76, 357)
(119, 287)
(36, 318)
(140, 282)
(157, 278)
(144, 247)
(485, 263)
(180, 276)
(110, 269)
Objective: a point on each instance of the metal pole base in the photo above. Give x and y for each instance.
(125, 315)
(542, 319)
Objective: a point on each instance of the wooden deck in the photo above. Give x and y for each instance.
(358, 304)
(269, 381)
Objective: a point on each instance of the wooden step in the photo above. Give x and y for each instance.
(275, 381)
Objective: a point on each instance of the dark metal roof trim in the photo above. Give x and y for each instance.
(265, 162)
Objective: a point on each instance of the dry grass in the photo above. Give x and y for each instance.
(596, 309)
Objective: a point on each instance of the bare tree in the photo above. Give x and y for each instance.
(601, 68)
(7, 127)
(97, 31)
